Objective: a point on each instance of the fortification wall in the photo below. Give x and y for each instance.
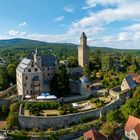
(64, 120)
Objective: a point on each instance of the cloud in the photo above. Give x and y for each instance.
(95, 25)
(15, 33)
(60, 18)
(94, 3)
(22, 24)
(99, 20)
(69, 9)
(134, 27)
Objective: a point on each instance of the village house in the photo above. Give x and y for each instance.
(132, 128)
(127, 83)
(93, 135)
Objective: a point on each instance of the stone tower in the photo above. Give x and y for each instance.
(83, 51)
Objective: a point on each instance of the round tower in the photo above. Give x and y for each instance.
(83, 51)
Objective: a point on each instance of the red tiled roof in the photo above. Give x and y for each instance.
(93, 135)
(133, 123)
(136, 77)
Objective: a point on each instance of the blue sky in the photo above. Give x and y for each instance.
(108, 23)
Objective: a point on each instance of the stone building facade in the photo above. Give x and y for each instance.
(33, 74)
(83, 51)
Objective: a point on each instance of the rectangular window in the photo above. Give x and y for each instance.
(26, 78)
(29, 70)
(35, 69)
(25, 85)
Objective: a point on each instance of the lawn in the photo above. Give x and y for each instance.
(43, 113)
(51, 112)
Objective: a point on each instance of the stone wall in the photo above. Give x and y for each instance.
(4, 102)
(64, 120)
(8, 101)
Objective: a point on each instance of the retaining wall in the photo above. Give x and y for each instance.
(65, 120)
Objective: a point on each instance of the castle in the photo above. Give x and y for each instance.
(34, 73)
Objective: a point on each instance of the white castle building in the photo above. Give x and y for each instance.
(34, 74)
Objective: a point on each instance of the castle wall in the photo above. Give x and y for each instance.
(65, 120)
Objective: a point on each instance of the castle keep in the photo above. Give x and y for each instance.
(83, 51)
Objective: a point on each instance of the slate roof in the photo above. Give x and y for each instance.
(83, 35)
(130, 81)
(93, 135)
(48, 60)
(23, 65)
(84, 80)
(133, 123)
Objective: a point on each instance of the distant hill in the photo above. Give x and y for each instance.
(20, 43)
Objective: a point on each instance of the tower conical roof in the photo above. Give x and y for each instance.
(83, 35)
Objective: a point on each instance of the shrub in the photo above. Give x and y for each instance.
(93, 100)
(14, 107)
(12, 120)
(4, 109)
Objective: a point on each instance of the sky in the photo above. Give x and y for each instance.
(107, 23)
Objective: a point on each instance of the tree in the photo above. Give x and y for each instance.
(95, 61)
(11, 71)
(86, 71)
(72, 61)
(108, 128)
(3, 78)
(114, 116)
(136, 92)
(131, 107)
(107, 63)
(60, 82)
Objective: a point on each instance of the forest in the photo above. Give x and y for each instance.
(106, 64)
